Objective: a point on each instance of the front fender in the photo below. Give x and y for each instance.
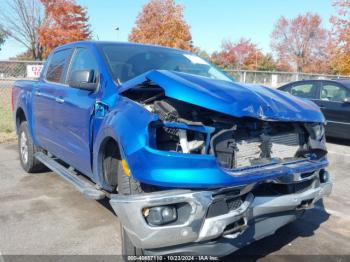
(127, 123)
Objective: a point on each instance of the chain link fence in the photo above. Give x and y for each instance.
(11, 71)
(276, 79)
(14, 70)
(6, 120)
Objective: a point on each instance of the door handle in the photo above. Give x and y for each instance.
(59, 100)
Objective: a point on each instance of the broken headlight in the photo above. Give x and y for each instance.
(317, 139)
(316, 131)
(180, 137)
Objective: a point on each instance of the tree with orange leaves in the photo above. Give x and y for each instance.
(65, 22)
(341, 37)
(302, 43)
(161, 22)
(242, 54)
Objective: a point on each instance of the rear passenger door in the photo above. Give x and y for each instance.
(73, 115)
(44, 99)
(336, 110)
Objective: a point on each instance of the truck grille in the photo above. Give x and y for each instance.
(260, 150)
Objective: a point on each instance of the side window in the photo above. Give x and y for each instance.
(334, 93)
(84, 59)
(56, 68)
(305, 90)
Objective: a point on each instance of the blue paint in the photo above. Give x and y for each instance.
(232, 98)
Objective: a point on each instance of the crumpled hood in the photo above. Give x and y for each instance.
(232, 98)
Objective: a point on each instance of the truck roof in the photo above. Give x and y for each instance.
(100, 43)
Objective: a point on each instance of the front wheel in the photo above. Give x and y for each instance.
(127, 186)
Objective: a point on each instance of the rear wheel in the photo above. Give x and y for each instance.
(27, 150)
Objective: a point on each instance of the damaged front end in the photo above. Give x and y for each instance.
(242, 166)
(231, 146)
(238, 144)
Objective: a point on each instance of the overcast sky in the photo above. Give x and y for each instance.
(211, 21)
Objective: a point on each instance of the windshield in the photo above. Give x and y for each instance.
(129, 61)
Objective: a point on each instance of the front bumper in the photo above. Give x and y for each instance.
(258, 216)
(177, 170)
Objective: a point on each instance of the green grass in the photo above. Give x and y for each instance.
(6, 121)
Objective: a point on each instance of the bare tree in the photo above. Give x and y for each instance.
(20, 20)
(2, 38)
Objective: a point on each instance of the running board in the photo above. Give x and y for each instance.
(79, 182)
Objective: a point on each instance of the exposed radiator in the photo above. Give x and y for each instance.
(284, 146)
(246, 152)
(252, 151)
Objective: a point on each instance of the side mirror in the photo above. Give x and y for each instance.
(83, 79)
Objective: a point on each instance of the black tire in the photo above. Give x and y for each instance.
(27, 150)
(128, 186)
(110, 165)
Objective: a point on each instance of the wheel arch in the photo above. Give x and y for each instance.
(19, 118)
(109, 145)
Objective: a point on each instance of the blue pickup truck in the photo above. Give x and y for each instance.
(192, 161)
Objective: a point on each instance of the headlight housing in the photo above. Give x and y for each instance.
(316, 131)
(317, 139)
(180, 137)
(319, 131)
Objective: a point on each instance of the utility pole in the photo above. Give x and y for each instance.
(117, 29)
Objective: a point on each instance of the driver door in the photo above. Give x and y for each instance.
(74, 114)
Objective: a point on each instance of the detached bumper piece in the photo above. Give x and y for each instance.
(217, 222)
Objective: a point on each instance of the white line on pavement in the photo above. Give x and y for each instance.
(337, 153)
